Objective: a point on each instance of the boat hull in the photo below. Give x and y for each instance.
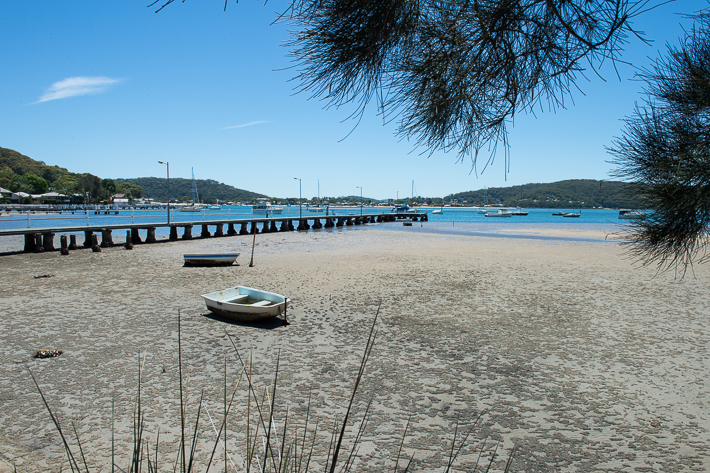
(222, 259)
(499, 214)
(223, 303)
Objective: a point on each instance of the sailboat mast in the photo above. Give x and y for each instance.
(195, 195)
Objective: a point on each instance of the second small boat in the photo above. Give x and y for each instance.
(220, 259)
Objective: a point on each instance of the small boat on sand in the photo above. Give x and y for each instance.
(246, 304)
(221, 259)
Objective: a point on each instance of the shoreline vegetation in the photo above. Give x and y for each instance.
(568, 352)
(22, 173)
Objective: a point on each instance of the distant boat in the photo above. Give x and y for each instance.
(573, 214)
(403, 209)
(626, 214)
(437, 211)
(221, 259)
(264, 207)
(499, 213)
(192, 208)
(215, 207)
(518, 212)
(245, 304)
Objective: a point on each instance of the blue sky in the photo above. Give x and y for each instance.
(110, 88)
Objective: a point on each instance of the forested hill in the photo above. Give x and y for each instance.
(181, 189)
(586, 193)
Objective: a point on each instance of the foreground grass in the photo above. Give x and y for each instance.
(270, 447)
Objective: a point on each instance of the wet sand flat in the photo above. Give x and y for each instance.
(564, 349)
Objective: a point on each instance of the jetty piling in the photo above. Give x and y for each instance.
(38, 243)
(106, 238)
(63, 243)
(48, 241)
(42, 239)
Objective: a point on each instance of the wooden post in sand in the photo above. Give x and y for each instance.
(129, 244)
(63, 245)
(29, 242)
(48, 241)
(135, 236)
(72, 242)
(38, 243)
(106, 238)
(95, 244)
(253, 244)
(87, 237)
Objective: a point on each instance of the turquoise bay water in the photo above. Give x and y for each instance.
(467, 219)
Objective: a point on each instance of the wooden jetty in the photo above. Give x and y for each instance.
(42, 239)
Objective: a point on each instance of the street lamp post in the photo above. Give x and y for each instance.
(300, 207)
(167, 164)
(361, 201)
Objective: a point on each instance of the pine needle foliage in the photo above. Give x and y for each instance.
(453, 73)
(665, 152)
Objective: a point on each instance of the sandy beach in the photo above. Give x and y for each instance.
(563, 350)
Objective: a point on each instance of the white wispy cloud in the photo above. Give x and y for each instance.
(244, 125)
(73, 86)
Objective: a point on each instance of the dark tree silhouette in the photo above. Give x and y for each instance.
(665, 153)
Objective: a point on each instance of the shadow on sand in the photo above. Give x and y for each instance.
(265, 324)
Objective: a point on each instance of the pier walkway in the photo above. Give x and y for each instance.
(42, 239)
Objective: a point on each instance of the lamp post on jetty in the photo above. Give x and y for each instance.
(361, 201)
(167, 164)
(300, 207)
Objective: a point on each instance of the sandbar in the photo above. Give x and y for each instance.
(565, 350)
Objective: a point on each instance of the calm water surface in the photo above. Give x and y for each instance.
(468, 220)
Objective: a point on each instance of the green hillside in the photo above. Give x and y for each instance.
(209, 191)
(586, 193)
(20, 173)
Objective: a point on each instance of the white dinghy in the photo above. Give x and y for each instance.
(245, 304)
